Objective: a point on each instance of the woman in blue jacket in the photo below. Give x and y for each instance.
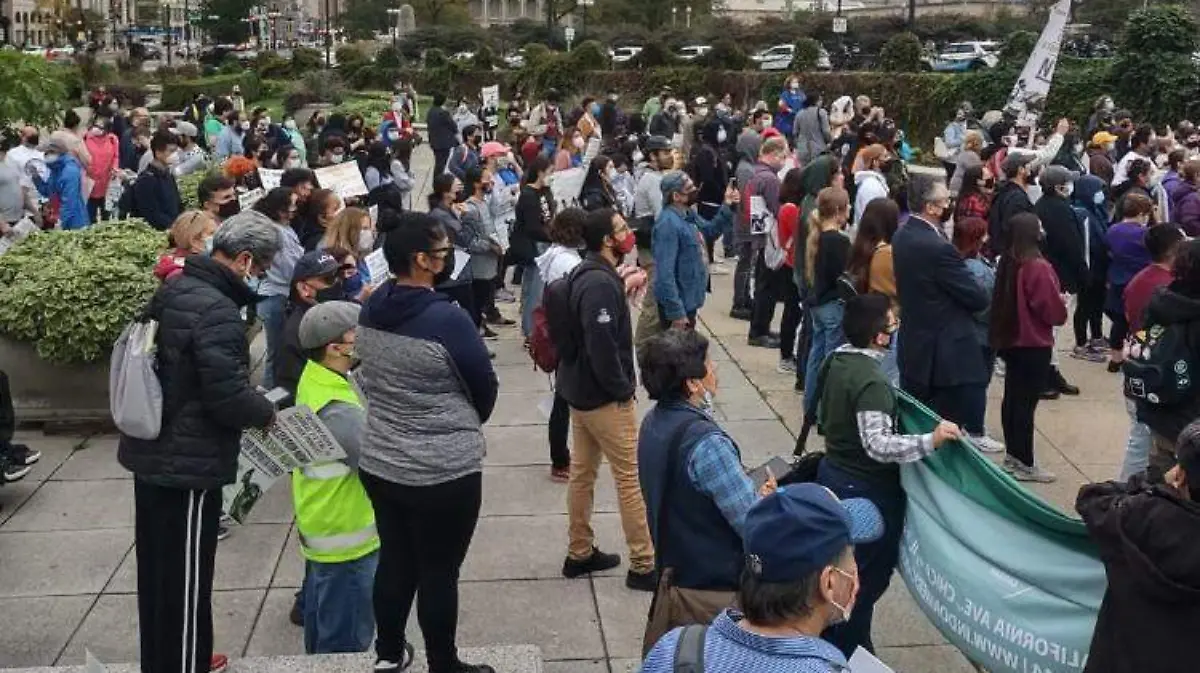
(65, 182)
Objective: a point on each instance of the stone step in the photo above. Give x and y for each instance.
(503, 658)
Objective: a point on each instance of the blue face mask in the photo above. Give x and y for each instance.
(595, 109)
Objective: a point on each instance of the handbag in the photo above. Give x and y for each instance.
(134, 390)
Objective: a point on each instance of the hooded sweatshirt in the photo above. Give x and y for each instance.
(1169, 306)
(557, 262)
(1084, 200)
(428, 385)
(747, 147)
(869, 185)
(1147, 540)
(1185, 207)
(813, 178)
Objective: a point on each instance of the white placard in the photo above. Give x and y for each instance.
(863, 661)
(296, 439)
(269, 177)
(592, 151)
(1028, 95)
(566, 186)
(343, 179)
(461, 259)
(490, 96)
(761, 219)
(246, 200)
(377, 267)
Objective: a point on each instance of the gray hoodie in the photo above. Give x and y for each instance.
(278, 282)
(747, 147)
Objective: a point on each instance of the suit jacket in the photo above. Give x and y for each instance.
(939, 346)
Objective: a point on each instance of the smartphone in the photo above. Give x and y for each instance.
(277, 395)
(778, 466)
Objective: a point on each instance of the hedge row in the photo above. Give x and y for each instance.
(176, 95)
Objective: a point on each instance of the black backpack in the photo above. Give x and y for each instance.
(1160, 367)
(561, 320)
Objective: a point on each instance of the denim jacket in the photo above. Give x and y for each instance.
(680, 267)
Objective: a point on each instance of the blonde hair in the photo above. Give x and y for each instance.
(189, 226)
(344, 230)
(973, 141)
(831, 202)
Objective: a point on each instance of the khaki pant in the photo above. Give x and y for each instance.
(1162, 457)
(608, 432)
(674, 606)
(648, 324)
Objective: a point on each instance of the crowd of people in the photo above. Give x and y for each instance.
(928, 283)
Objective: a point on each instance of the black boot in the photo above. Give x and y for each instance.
(1059, 384)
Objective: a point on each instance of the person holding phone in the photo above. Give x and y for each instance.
(697, 492)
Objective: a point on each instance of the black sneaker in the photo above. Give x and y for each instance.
(10, 471)
(764, 341)
(597, 562)
(460, 667)
(1050, 394)
(388, 666)
(296, 615)
(23, 455)
(642, 581)
(222, 533)
(500, 321)
(741, 314)
(488, 333)
(1067, 389)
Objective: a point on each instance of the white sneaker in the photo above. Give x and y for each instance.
(1031, 473)
(718, 269)
(986, 444)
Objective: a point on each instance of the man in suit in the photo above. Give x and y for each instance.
(442, 131)
(941, 359)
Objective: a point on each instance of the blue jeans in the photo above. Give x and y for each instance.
(338, 613)
(876, 560)
(827, 335)
(1137, 447)
(531, 296)
(975, 398)
(270, 311)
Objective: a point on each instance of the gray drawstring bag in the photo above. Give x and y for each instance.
(135, 395)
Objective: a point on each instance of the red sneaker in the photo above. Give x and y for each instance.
(219, 663)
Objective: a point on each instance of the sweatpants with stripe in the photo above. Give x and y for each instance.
(176, 536)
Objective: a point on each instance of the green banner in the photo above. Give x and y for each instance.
(1011, 581)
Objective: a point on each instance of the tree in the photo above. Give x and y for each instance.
(34, 92)
(808, 52)
(229, 27)
(1153, 73)
(901, 53)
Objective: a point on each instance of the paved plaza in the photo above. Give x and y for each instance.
(67, 570)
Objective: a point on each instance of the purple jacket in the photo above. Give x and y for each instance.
(1127, 246)
(1185, 207)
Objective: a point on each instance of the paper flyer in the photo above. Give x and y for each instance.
(247, 199)
(863, 661)
(461, 259)
(566, 186)
(377, 267)
(269, 177)
(297, 438)
(344, 179)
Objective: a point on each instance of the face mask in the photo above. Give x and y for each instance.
(625, 245)
(208, 245)
(1098, 198)
(114, 107)
(722, 136)
(1078, 149)
(173, 159)
(337, 158)
(611, 173)
(393, 136)
(97, 132)
(638, 156)
(578, 143)
(334, 292)
(245, 125)
(229, 209)
(844, 609)
(290, 125)
(292, 163)
(265, 121)
(51, 157)
(794, 85)
(443, 276)
(366, 240)
(701, 112)
(595, 109)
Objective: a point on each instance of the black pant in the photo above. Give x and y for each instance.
(803, 346)
(1026, 371)
(483, 295)
(791, 317)
(769, 288)
(424, 534)
(94, 208)
(560, 425)
(175, 531)
(741, 276)
(440, 157)
(464, 295)
(953, 403)
(8, 415)
(1089, 313)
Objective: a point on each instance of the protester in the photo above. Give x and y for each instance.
(445, 208)
(535, 210)
(1065, 248)
(1141, 148)
(65, 181)
(570, 150)
(431, 387)
(811, 132)
(317, 278)
(939, 355)
(1147, 540)
(217, 197)
(105, 149)
(1012, 199)
(315, 216)
(1026, 306)
(191, 157)
(697, 491)
(1088, 203)
(465, 156)
(801, 578)
(597, 189)
(709, 170)
(791, 101)
(208, 400)
(1185, 204)
(230, 142)
(12, 196)
(546, 121)
(156, 193)
(827, 250)
(566, 236)
(352, 233)
(191, 234)
(791, 194)
(970, 240)
(869, 183)
(1099, 156)
(485, 250)
(680, 264)
(975, 196)
(596, 378)
(870, 264)
(954, 137)
(334, 517)
(647, 207)
(769, 286)
(277, 209)
(1140, 173)
(747, 245)
(967, 157)
(1128, 256)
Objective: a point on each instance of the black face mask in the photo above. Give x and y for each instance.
(334, 292)
(32, 140)
(229, 209)
(443, 276)
(947, 213)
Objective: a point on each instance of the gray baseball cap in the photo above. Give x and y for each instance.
(326, 322)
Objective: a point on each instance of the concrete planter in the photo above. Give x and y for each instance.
(46, 392)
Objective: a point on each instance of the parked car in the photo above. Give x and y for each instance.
(33, 50)
(462, 56)
(780, 57)
(623, 54)
(692, 52)
(64, 53)
(964, 56)
(514, 60)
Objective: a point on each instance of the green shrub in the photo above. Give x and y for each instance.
(38, 99)
(315, 87)
(654, 55)
(725, 54)
(808, 52)
(189, 186)
(71, 292)
(1017, 48)
(485, 58)
(388, 57)
(230, 65)
(435, 58)
(270, 65)
(176, 95)
(1154, 74)
(901, 53)
(535, 51)
(1168, 29)
(588, 55)
(305, 59)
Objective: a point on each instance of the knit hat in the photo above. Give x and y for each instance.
(326, 322)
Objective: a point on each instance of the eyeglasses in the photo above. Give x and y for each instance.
(439, 252)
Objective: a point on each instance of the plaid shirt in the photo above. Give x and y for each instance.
(877, 430)
(716, 470)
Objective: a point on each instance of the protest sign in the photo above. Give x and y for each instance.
(462, 259)
(1008, 579)
(377, 268)
(566, 186)
(247, 199)
(297, 438)
(863, 661)
(269, 178)
(592, 151)
(343, 179)
(1028, 96)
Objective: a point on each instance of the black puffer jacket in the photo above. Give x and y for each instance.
(204, 366)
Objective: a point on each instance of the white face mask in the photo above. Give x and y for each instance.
(701, 112)
(174, 158)
(1098, 198)
(266, 121)
(393, 136)
(97, 132)
(292, 163)
(844, 609)
(50, 157)
(290, 124)
(722, 136)
(338, 158)
(245, 124)
(366, 240)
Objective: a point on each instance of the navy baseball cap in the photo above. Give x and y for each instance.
(801, 528)
(315, 264)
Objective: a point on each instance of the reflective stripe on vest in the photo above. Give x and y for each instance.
(333, 513)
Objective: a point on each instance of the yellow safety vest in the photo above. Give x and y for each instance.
(333, 513)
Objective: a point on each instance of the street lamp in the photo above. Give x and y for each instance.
(274, 17)
(166, 10)
(394, 20)
(674, 11)
(328, 33)
(689, 15)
